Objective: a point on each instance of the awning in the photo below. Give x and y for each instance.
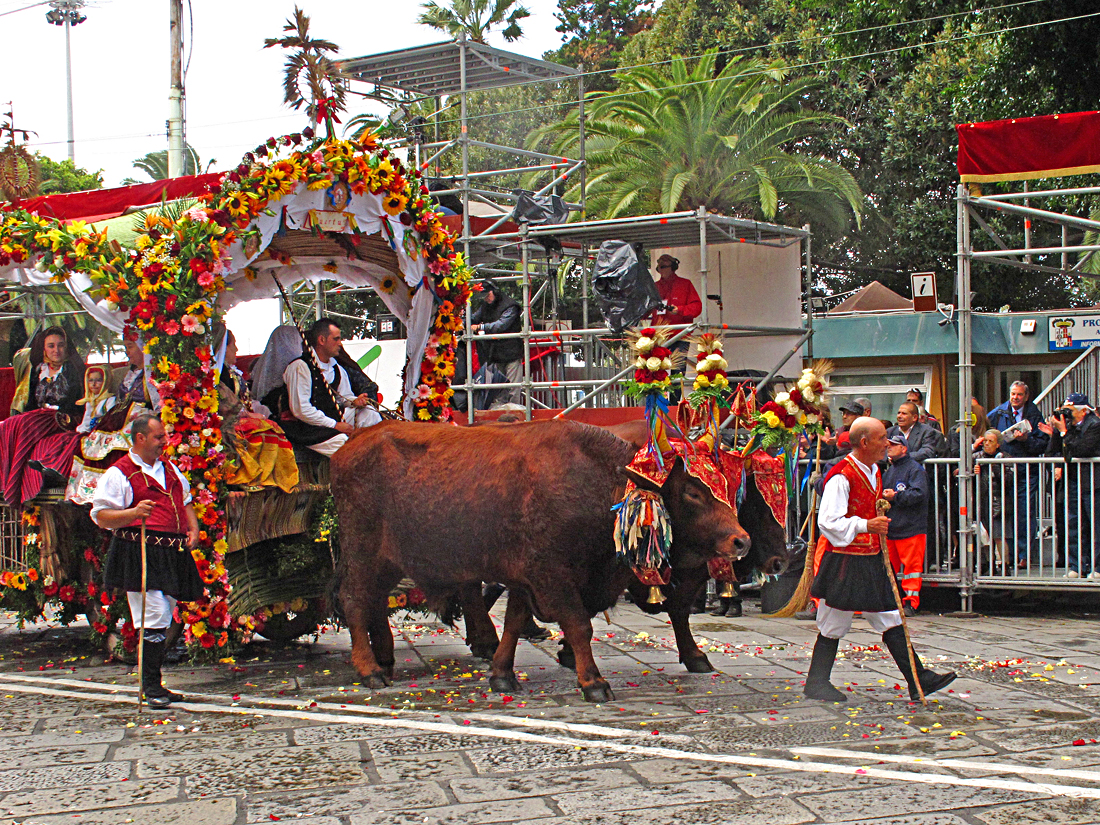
(99, 204)
(1026, 148)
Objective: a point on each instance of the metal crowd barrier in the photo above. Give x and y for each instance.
(1034, 521)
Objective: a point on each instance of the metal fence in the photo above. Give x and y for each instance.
(1034, 525)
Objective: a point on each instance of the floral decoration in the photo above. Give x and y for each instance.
(779, 422)
(169, 284)
(652, 362)
(710, 371)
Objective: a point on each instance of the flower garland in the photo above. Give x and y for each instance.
(432, 400)
(781, 421)
(710, 371)
(652, 362)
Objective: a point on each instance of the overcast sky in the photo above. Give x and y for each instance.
(234, 86)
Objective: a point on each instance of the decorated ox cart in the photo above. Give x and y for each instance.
(298, 208)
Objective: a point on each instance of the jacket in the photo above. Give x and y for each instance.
(909, 509)
(503, 315)
(1080, 441)
(1034, 445)
(924, 442)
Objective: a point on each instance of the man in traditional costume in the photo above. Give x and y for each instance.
(322, 409)
(141, 489)
(852, 576)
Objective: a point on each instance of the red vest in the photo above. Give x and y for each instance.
(169, 512)
(861, 504)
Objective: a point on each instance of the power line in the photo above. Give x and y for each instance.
(25, 8)
(809, 64)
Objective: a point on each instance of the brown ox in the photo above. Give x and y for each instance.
(528, 506)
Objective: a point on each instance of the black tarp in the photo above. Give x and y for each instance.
(625, 291)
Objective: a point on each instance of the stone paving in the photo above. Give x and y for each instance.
(288, 734)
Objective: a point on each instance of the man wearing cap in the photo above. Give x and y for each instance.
(1074, 432)
(905, 486)
(849, 412)
(852, 575)
(922, 441)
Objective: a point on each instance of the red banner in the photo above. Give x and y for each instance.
(1025, 148)
(100, 204)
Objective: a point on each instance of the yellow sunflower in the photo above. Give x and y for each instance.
(394, 204)
(388, 284)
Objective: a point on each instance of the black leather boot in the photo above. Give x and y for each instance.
(722, 606)
(930, 681)
(156, 695)
(821, 668)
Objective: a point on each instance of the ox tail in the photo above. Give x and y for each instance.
(801, 596)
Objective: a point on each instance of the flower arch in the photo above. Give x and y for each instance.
(310, 208)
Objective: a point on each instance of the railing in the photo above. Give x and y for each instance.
(13, 552)
(1080, 376)
(1034, 524)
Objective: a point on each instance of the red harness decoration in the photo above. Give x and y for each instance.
(169, 512)
(861, 504)
(771, 481)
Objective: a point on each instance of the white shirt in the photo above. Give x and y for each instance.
(115, 493)
(92, 412)
(299, 387)
(838, 528)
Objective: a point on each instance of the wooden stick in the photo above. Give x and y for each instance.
(882, 506)
(141, 630)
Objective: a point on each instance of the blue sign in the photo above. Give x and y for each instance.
(1073, 332)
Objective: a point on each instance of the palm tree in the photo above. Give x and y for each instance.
(729, 140)
(475, 18)
(155, 165)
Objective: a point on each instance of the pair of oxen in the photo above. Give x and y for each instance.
(529, 506)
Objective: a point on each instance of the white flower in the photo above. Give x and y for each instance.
(792, 407)
(808, 371)
(653, 364)
(666, 363)
(722, 364)
(639, 364)
(645, 344)
(712, 360)
(808, 396)
(782, 398)
(813, 419)
(111, 306)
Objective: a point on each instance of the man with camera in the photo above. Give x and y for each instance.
(1074, 432)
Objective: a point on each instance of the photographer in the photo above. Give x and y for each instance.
(1074, 432)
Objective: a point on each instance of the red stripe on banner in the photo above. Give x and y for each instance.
(108, 203)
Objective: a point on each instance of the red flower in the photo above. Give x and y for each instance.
(208, 640)
(641, 376)
(649, 332)
(67, 593)
(796, 397)
(50, 590)
(198, 266)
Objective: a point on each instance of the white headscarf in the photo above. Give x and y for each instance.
(284, 345)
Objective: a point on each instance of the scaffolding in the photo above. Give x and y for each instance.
(974, 208)
(533, 256)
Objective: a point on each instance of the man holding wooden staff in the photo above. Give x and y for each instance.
(147, 501)
(854, 571)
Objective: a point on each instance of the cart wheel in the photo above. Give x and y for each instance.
(280, 629)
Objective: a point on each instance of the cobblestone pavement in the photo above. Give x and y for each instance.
(288, 734)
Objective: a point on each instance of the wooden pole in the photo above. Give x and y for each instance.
(882, 506)
(141, 630)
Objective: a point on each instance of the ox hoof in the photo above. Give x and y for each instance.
(380, 678)
(483, 651)
(699, 664)
(598, 693)
(567, 658)
(505, 684)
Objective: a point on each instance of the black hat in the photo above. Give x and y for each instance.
(852, 407)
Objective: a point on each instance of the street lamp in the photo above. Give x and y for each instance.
(67, 13)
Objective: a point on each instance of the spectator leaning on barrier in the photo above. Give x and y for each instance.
(905, 486)
(921, 440)
(1018, 419)
(1074, 432)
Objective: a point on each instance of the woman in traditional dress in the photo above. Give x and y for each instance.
(55, 383)
(260, 450)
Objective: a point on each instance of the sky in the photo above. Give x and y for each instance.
(120, 58)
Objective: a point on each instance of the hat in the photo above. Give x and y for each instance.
(844, 441)
(899, 440)
(1077, 399)
(852, 407)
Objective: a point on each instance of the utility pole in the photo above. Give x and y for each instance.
(175, 90)
(67, 13)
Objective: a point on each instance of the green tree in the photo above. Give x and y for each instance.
(475, 18)
(310, 75)
(64, 176)
(729, 140)
(594, 33)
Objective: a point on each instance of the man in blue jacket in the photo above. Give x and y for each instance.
(905, 486)
(1019, 419)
